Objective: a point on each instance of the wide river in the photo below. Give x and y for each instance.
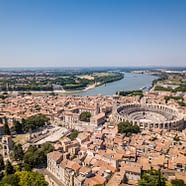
(131, 81)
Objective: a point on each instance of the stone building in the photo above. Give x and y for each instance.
(149, 116)
(7, 146)
(53, 160)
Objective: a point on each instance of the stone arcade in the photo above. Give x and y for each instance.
(149, 116)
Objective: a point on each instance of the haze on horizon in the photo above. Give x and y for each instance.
(61, 33)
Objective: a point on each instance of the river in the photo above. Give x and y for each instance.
(131, 81)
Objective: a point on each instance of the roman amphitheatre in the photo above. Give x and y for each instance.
(149, 116)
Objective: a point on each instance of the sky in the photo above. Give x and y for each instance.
(65, 33)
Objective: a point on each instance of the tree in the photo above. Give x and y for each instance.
(18, 152)
(9, 168)
(6, 130)
(176, 138)
(128, 128)
(26, 167)
(34, 122)
(37, 157)
(1, 175)
(178, 182)
(131, 93)
(2, 165)
(30, 158)
(85, 116)
(28, 178)
(47, 147)
(152, 177)
(18, 127)
(10, 180)
(73, 134)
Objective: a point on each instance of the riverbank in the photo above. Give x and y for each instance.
(130, 82)
(54, 81)
(89, 87)
(55, 91)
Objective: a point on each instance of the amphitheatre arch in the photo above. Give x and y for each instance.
(149, 116)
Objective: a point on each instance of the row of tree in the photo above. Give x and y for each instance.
(131, 93)
(27, 87)
(108, 78)
(181, 88)
(32, 122)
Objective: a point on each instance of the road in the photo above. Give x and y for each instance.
(53, 181)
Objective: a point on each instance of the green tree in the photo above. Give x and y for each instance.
(18, 152)
(1, 175)
(85, 116)
(37, 157)
(18, 127)
(73, 134)
(128, 128)
(178, 182)
(176, 138)
(2, 165)
(10, 180)
(152, 178)
(31, 179)
(47, 147)
(131, 93)
(26, 167)
(9, 169)
(34, 122)
(30, 158)
(6, 130)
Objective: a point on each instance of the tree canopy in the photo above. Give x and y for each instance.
(9, 169)
(73, 134)
(28, 178)
(34, 122)
(18, 152)
(35, 157)
(18, 127)
(2, 165)
(10, 180)
(21, 174)
(127, 128)
(85, 116)
(178, 182)
(131, 93)
(23, 178)
(6, 130)
(152, 177)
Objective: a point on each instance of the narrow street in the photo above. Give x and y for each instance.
(50, 178)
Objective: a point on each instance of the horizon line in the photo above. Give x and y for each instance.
(109, 66)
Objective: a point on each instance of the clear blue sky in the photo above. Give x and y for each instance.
(42, 33)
